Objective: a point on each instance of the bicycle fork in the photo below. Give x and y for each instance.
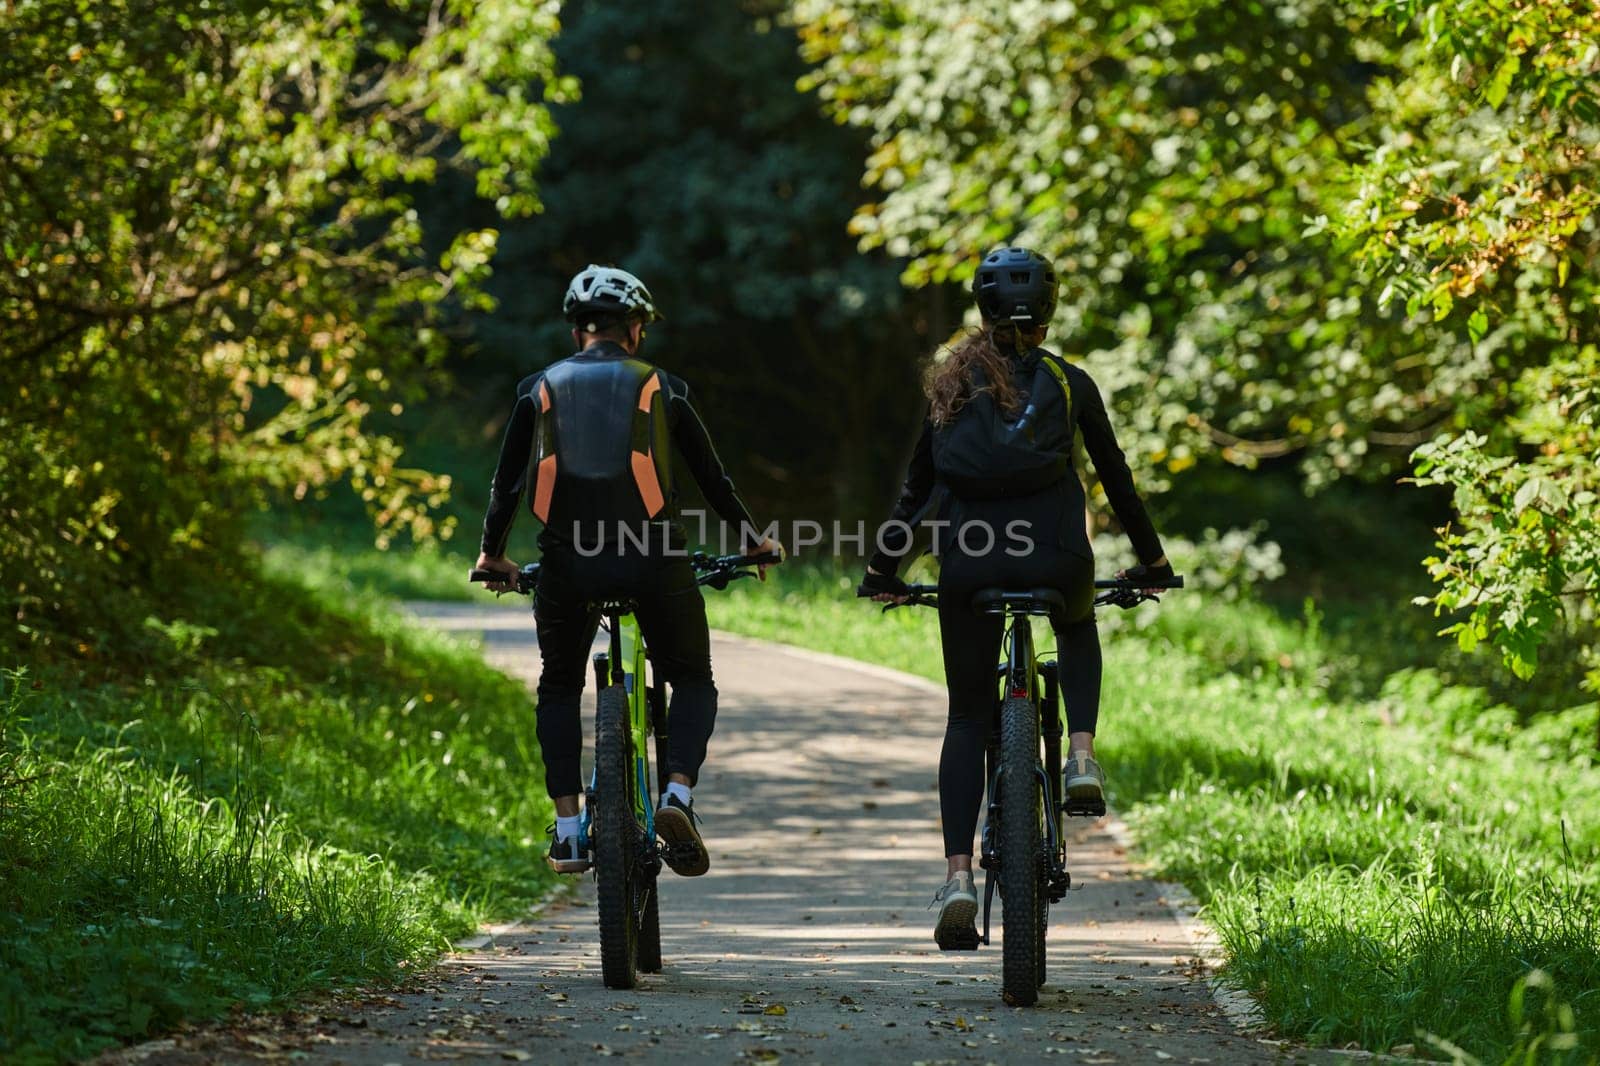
(1056, 878)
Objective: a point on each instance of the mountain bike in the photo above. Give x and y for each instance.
(620, 803)
(1024, 851)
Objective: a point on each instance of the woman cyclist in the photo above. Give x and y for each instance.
(994, 462)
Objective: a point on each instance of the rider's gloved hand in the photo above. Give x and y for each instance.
(884, 588)
(1160, 570)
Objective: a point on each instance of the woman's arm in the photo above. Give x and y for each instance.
(1112, 466)
(895, 542)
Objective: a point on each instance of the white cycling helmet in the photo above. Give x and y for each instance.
(608, 290)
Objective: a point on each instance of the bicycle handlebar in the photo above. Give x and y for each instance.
(1173, 582)
(1124, 592)
(714, 570)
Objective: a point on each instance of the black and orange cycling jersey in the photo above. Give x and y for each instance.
(591, 440)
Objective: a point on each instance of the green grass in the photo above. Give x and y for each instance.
(281, 790)
(1381, 870)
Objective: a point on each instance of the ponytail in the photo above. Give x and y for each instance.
(952, 381)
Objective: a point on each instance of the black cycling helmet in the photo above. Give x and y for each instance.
(1015, 285)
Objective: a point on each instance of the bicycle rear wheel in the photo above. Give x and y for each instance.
(616, 840)
(1021, 844)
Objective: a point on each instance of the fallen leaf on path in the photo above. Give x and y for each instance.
(516, 1055)
(777, 1009)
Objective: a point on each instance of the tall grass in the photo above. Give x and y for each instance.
(282, 790)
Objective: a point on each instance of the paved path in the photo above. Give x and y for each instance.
(809, 940)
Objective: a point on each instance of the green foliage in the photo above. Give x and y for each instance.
(278, 792)
(1167, 156)
(214, 269)
(1480, 205)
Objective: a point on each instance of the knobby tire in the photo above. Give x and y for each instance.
(616, 841)
(1021, 846)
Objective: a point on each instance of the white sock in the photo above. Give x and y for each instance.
(566, 828)
(681, 791)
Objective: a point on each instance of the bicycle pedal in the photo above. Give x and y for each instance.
(1085, 808)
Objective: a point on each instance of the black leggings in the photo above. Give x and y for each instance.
(971, 643)
(672, 620)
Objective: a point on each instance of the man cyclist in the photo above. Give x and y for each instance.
(591, 440)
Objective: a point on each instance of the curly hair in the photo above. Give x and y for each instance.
(951, 382)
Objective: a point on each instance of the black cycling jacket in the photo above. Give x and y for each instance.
(1065, 499)
(689, 440)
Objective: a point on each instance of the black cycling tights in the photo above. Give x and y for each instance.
(971, 643)
(672, 620)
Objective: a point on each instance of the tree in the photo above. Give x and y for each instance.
(1250, 278)
(1479, 204)
(212, 262)
(1167, 155)
(693, 161)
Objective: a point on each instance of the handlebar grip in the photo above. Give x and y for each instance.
(764, 559)
(480, 575)
(1173, 582)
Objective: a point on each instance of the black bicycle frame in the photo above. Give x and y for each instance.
(1024, 676)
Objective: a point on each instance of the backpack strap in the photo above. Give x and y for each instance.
(1056, 365)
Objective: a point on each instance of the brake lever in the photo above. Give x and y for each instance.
(913, 601)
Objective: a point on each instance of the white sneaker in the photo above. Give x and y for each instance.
(1085, 781)
(958, 909)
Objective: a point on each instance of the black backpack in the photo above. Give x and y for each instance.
(981, 455)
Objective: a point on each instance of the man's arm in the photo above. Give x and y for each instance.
(1112, 466)
(510, 474)
(693, 442)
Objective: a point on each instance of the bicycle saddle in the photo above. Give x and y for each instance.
(1039, 601)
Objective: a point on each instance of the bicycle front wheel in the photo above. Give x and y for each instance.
(1021, 844)
(616, 840)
